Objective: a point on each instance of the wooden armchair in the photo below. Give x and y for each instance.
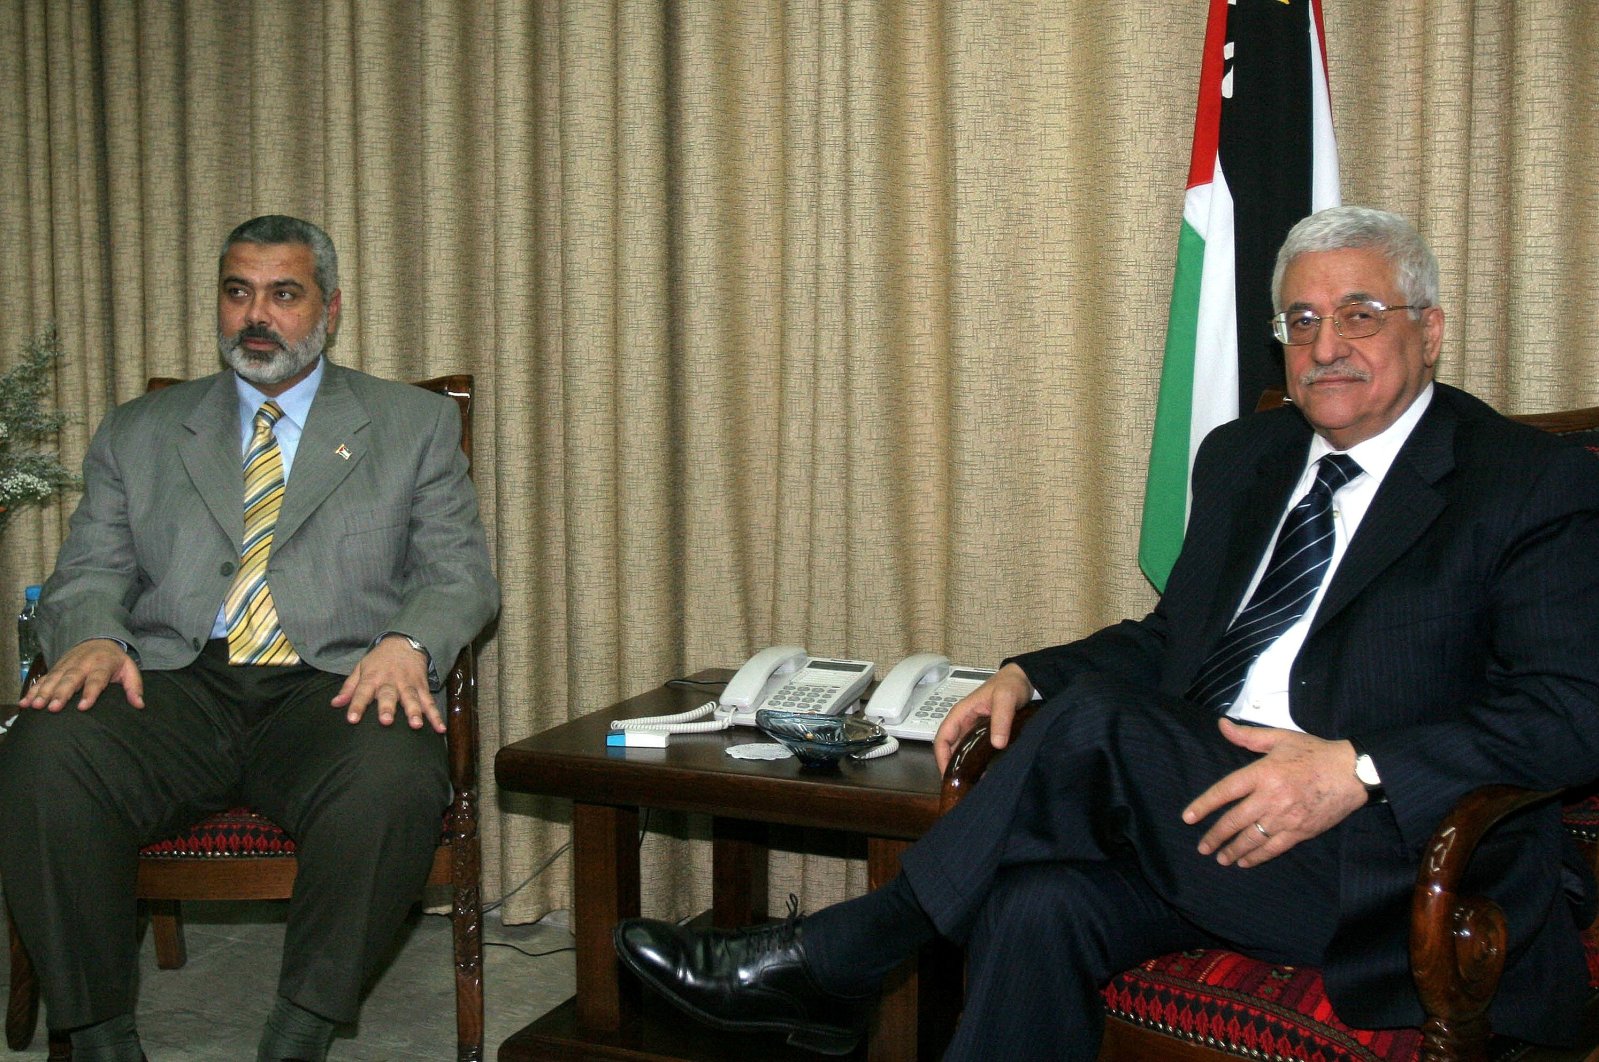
(241, 855)
(1211, 1005)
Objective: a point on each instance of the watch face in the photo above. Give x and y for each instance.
(1366, 771)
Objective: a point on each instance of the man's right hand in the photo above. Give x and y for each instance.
(83, 672)
(995, 700)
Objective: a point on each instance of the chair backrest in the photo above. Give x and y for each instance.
(457, 386)
(1582, 425)
(1579, 425)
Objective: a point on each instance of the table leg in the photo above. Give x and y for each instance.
(893, 1036)
(738, 872)
(605, 863)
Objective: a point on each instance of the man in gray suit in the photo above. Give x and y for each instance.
(269, 569)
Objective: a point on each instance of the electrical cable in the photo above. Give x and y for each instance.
(524, 951)
(542, 867)
(702, 684)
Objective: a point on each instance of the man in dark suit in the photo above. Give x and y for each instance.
(269, 568)
(1386, 593)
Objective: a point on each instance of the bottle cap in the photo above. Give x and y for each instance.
(32, 593)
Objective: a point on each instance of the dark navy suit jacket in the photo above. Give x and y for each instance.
(1457, 643)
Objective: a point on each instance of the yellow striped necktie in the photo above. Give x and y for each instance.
(254, 636)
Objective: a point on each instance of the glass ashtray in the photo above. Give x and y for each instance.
(819, 740)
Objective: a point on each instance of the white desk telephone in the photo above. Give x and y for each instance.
(787, 678)
(914, 697)
(911, 702)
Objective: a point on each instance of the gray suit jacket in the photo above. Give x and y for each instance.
(379, 529)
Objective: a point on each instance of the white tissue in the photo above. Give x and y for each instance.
(758, 751)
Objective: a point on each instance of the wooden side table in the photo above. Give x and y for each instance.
(890, 802)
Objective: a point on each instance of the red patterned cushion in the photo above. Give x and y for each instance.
(1581, 816)
(1260, 1010)
(235, 832)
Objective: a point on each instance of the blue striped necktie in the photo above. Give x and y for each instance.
(254, 636)
(1298, 565)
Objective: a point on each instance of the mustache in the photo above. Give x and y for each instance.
(257, 331)
(1339, 369)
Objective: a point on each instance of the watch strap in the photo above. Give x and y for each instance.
(1375, 793)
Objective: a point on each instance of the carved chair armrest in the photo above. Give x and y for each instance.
(460, 721)
(1457, 942)
(972, 757)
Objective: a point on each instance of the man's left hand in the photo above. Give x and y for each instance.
(394, 677)
(1300, 787)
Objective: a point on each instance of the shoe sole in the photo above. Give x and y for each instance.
(823, 1041)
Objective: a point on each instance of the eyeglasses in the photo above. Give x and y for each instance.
(1352, 320)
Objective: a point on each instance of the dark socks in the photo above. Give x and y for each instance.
(292, 1032)
(113, 1040)
(850, 946)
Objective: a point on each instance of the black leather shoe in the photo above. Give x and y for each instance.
(744, 979)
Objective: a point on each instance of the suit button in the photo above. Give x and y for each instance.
(227, 568)
(198, 645)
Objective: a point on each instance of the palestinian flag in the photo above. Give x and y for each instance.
(1263, 158)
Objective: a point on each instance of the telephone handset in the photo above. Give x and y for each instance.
(787, 678)
(916, 695)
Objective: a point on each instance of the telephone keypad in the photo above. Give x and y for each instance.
(801, 697)
(923, 721)
(937, 706)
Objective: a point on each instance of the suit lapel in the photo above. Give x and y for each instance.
(1405, 506)
(331, 445)
(1259, 508)
(213, 456)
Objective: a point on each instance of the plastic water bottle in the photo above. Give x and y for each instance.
(28, 632)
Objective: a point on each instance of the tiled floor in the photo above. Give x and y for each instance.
(212, 1009)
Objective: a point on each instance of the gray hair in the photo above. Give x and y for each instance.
(281, 228)
(1344, 228)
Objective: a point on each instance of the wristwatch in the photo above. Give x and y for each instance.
(1366, 774)
(412, 642)
(434, 682)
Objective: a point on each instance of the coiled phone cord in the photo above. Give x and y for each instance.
(681, 723)
(889, 746)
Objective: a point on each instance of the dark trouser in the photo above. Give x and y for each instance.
(81, 792)
(1070, 862)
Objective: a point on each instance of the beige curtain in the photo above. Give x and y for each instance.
(829, 322)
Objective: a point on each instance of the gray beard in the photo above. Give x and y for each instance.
(269, 369)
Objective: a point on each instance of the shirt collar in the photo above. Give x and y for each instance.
(295, 402)
(1376, 454)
